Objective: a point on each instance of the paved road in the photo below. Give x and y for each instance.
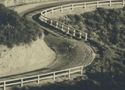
(28, 16)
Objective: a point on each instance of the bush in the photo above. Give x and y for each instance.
(106, 29)
(15, 30)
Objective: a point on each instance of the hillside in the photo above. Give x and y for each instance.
(15, 30)
(22, 48)
(106, 30)
(25, 58)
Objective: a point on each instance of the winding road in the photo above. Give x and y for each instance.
(33, 15)
(88, 54)
(34, 11)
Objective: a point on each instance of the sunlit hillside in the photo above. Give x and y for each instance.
(22, 48)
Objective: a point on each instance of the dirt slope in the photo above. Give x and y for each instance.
(25, 58)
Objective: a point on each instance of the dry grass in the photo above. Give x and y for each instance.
(25, 58)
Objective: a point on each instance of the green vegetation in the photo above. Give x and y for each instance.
(15, 30)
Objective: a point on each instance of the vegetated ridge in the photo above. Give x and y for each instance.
(107, 37)
(106, 30)
(22, 49)
(15, 30)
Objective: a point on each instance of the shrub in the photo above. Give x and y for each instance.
(15, 30)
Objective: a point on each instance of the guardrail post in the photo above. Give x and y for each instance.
(72, 7)
(110, 3)
(69, 74)
(57, 24)
(123, 2)
(54, 76)
(82, 71)
(67, 30)
(86, 36)
(4, 85)
(21, 82)
(85, 5)
(62, 28)
(52, 10)
(38, 79)
(51, 22)
(41, 13)
(97, 4)
(45, 13)
(45, 19)
(80, 35)
(42, 18)
(61, 9)
(74, 32)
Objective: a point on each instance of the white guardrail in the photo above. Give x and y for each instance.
(64, 28)
(68, 30)
(40, 77)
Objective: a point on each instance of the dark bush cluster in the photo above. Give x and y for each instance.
(15, 30)
(109, 24)
(106, 24)
(106, 29)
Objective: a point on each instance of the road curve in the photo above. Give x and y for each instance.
(28, 15)
(89, 55)
(30, 75)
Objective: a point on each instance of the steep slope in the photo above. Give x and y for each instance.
(106, 30)
(25, 58)
(22, 48)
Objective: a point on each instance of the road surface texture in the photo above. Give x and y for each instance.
(82, 57)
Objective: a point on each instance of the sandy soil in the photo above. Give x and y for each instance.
(25, 58)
